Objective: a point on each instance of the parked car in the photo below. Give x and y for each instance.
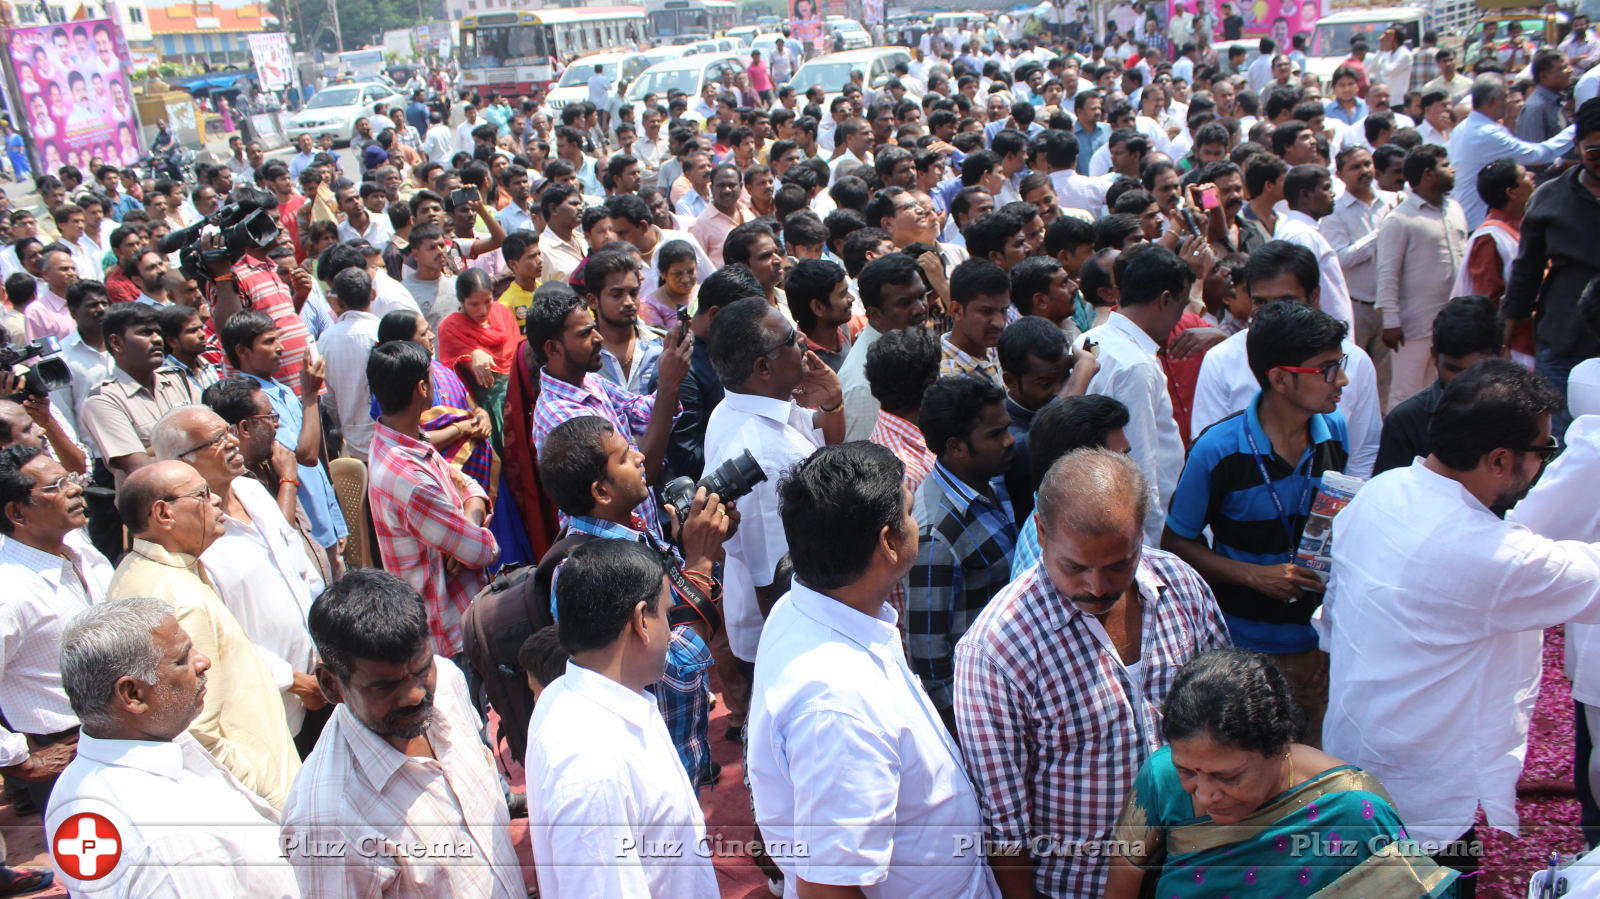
(574, 83)
(688, 74)
(335, 109)
(832, 71)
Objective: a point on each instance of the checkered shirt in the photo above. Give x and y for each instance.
(905, 440)
(1054, 727)
(628, 412)
(954, 361)
(417, 513)
(964, 547)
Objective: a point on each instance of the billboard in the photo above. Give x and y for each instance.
(805, 24)
(73, 93)
(274, 65)
(1277, 19)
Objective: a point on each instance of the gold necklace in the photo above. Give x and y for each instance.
(1289, 757)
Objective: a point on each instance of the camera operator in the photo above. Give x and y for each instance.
(598, 479)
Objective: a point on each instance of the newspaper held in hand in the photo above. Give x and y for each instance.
(1316, 538)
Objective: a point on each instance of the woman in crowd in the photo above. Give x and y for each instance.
(1232, 804)
(678, 283)
(478, 343)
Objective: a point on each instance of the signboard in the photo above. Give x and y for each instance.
(1277, 19)
(274, 66)
(805, 24)
(73, 94)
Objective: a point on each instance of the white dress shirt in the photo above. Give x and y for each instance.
(1393, 67)
(389, 295)
(187, 827)
(1131, 373)
(1480, 140)
(1226, 385)
(832, 685)
(358, 790)
(378, 232)
(779, 434)
(345, 347)
(610, 809)
(89, 367)
(1298, 228)
(1433, 623)
(439, 144)
(860, 406)
(262, 573)
(43, 592)
(1352, 230)
(1075, 191)
(1260, 72)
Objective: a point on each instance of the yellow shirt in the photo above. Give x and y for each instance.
(519, 301)
(242, 723)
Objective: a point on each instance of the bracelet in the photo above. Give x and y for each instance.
(222, 279)
(282, 481)
(832, 411)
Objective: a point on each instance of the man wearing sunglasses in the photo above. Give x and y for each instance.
(1251, 480)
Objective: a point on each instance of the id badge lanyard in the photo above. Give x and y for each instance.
(1272, 490)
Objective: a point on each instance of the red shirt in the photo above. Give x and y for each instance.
(260, 289)
(119, 287)
(287, 220)
(1182, 376)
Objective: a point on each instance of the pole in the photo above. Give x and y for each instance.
(338, 37)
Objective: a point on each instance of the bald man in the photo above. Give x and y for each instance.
(258, 566)
(1037, 661)
(175, 518)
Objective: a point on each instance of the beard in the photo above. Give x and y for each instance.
(409, 722)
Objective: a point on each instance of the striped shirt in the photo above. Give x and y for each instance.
(905, 440)
(964, 546)
(954, 361)
(628, 412)
(1054, 726)
(1222, 488)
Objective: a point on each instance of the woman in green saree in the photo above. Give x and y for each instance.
(1232, 806)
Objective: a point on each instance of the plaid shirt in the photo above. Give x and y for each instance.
(1424, 67)
(417, 513)
(628, 412)
(1054, 726)
(260, 289)
(964, 547)
(955, 361)
(905, 440)
(684, 691)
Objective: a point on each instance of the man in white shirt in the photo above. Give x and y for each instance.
(439, 144)
(258, 566)
(1434, 616)
(835, 701)
(1155, 291)
(772, 387)
(561, 242)
(600, 95)
(359, 222)
(1279, 271)
(52, 573)
(345, 346)
(1308, 192)
(611, 810)
(1260, 71)
(185, 825)
(464, 130)
(1481, 139)
(85, 252)
(1392, 63)
(1352, 230)
(401, 761)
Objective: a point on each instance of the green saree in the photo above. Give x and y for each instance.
(1333, 836)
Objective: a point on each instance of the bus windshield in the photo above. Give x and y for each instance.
(673, 22)
(506, 45)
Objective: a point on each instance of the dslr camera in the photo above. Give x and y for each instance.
(247, 222)
(733, 480)
(49, 372)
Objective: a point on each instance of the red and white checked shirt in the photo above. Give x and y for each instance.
(260, 289)
(1054, 726)
(416, 511)
(905, 440)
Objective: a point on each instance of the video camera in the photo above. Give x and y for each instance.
(49, 373)
(247, 222)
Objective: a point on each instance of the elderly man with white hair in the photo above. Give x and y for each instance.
(184, 825)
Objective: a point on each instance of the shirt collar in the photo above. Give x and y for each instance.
(1124, 325)
(764, 406)
(1317, 426)
(160, 555)
(403, 442)
(358, 315)
(960, 491)
(163, 759)
(632, 706)
(600, 528)
(871, 632)
(374, 755)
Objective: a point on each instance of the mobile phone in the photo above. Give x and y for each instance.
(683, 325)
(1208, 199)
(461, 196)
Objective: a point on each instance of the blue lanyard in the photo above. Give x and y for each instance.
(1272, 490)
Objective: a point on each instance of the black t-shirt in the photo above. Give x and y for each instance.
(1233, 27)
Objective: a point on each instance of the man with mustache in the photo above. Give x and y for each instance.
(138, 680)
(174, 518)
(1059, 680)
(400, 764)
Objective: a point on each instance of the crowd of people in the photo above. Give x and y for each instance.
(961, 437)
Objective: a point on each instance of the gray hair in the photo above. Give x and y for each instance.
(1095, 491)
(1486, 89)
(171, 436)
(103, 644)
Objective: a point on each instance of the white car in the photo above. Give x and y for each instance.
(335, 109)
(573, 87)
(855, 37)
(744, 34)
(832, 71)
(688, 74)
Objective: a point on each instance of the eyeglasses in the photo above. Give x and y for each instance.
(60, 484)
(268, 416)
(792, 340)
(1329, 371)
(203, 495)
(1545, 451)
(1592, 154)
(213, 443)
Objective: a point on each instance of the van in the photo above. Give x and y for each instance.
(1330, 39)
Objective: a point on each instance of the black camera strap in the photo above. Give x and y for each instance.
(693, 605)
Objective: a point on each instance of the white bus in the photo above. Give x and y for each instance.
(514, 52)
(675, 21)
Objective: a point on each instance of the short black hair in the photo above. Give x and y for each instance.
(367, 614)
(900, 366)
(737, 246)
(1112, 231)
(1238, 698)
(1421, 161)
(1300, 179)
(1066, 234)
(1071, 423)
(727, 285)
(1277, 257)
(1496, 403)
(172, 318)
(353, 287)
(393, 371)
(989, 232)
(895, 268)
(542, 655)
(810, 279)
(630, 207)
(1496, 181)
(547, 317)
(834, 504)
(978, 277)
(1148, 270)
(572, 460)
(233, 399)
(242, 329)
(79, 291)
(738, 340)
(15, 487)
(602, 582)
(1030, 336)
(951, 408)
(857, 244)
(1466, 325)
(1289, 334)
(1030, 276)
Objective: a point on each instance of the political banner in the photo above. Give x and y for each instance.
(1277, 19)
(73, 93)
(274, 65)
(805, 24)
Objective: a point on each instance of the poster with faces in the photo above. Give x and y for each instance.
(73, 94)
